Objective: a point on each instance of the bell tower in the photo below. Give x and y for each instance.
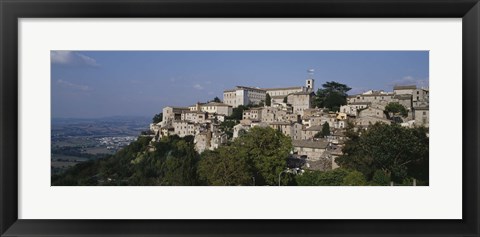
(309, 84)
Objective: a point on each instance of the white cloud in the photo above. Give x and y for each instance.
(71, 58)
(198, 87)
(73, 86)
(410, 80)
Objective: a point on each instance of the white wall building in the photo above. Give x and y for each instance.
(243, 95)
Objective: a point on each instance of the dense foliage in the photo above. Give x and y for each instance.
(331, 96)
(172, 163)
(260, 154)
(396, 109)
(237, 113)
(157, 118)
(388, 152)
(377, 156)
(216, 99)
(268, 100)
(336, 177)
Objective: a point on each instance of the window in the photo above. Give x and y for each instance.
(424, 113)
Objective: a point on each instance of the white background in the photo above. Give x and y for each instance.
(441, 200)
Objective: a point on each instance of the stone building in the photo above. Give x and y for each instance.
(213, 108)
(239, 129)
(404, 90)
(420, 97)
(309, 133)
(300, 101)
(291, 129)
(371, 97)
(314, 150)
(202, 141)
(370, 120)
(422, 116)
(171, 113)
(243, 95)
(253, 114)
(372, 112)
(284, 127)
(184, 128)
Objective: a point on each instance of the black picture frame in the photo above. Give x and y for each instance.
(12, 10)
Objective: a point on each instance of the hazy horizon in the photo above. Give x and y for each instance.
(99, 84)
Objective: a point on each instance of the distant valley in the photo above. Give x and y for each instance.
(76, 140)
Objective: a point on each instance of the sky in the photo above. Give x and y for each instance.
(95, 84)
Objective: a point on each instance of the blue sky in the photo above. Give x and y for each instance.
(92, 84)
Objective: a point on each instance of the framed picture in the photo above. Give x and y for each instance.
(226, 117)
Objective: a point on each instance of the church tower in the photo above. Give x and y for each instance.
(309, 84)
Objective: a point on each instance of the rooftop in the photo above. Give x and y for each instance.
(403, 97)
(360, 103)
(302, 93)
(310, 144)
(407, 87)
(280, 123)
(283, 88)
(215, 104)
(367, 95)
(178, 108)
(314, 128)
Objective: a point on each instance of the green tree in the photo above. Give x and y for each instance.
(157, 118)
(322, 178)
(331, 96)
(267, 151)
(380, 178)
(268, 100)
(216, 99)
(325, 129)
(354, 178)
(396, 109)
(227, 127)
(226, 166)
(399, 152)
(237, 113)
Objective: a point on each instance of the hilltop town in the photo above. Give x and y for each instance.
(317, 134)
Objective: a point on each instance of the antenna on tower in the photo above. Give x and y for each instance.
(310, 73)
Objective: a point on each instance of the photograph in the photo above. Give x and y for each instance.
(239, 118)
